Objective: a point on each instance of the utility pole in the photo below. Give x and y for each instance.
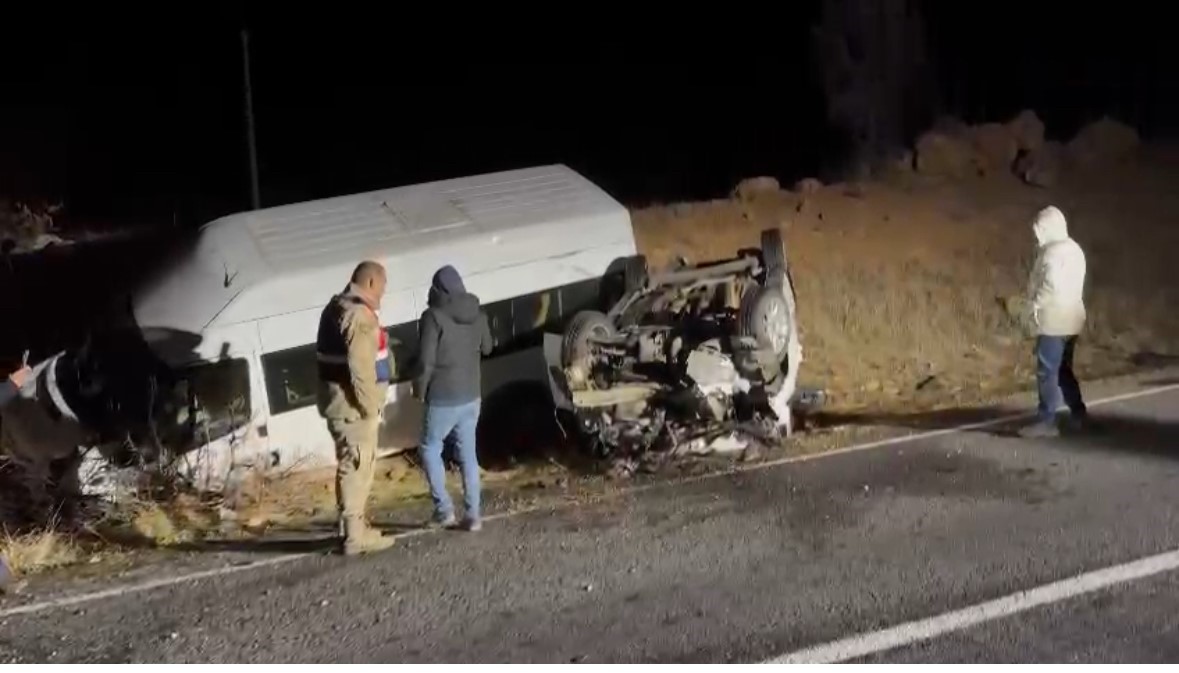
(255, 194)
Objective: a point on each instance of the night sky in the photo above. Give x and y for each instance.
(140, 119)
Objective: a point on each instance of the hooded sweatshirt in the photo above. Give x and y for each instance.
(1056, 286)
(454, 336)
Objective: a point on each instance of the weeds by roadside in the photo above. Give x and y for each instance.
(37, 551)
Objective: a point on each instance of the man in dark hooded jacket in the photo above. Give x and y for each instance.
(454, 336)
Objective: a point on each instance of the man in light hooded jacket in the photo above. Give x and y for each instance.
(1057, 313)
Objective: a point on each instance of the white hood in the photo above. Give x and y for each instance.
(1056, 286)
(1050, 226)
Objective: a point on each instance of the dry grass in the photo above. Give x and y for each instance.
(906, 278)
(179, 520)
(265, 500)
(291, 501)
(34, 552)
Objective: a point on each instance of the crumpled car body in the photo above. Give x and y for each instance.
(94, 408)
(695, 359)
(39, 424)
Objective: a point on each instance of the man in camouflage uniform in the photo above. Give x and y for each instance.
(354, 374)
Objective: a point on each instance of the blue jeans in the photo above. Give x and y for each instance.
(439, 423)
(1055, 378)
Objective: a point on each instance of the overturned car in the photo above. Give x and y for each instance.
(694, 359)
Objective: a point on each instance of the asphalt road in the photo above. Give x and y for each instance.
(741, 567)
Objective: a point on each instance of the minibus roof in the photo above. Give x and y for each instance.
(290, 258)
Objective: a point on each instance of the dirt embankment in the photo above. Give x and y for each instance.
(910, 285)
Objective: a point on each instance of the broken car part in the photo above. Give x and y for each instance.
(694, 360)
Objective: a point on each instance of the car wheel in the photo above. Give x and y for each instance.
(773, 255)
(635, 273)
(765, 317)
(624, 277)
(584, 327)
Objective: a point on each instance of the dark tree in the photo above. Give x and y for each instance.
(876, 76)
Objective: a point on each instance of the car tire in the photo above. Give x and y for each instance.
(764, 316)
(635, 273)
(773, 256)
(584, 326)
(625, 276)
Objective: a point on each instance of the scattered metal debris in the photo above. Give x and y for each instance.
(696, 360)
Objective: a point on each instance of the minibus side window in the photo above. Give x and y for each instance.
(213, 399)
(532, 314)
(292, 375)
(403, 348)
(292, 378)
(521, 322)
(580, 296)
(499, 319)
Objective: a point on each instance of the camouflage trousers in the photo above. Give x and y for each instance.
(356, 453)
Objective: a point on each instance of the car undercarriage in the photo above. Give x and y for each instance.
(693, 359)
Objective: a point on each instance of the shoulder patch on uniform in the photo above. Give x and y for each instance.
(364, 326)
(361, 319)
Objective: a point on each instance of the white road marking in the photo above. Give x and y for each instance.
(116, 592)
(909, 633)
(931, 434)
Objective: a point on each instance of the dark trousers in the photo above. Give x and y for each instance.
(1055, 378)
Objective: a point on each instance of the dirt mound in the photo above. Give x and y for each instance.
(950, 126)
(751, 188)
(953, 149)
(1103, 141)
(995, 148)
(1027, 130)
(1041, 167)
(808, 186)
(944, 154)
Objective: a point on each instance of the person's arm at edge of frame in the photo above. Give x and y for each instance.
(428, 340)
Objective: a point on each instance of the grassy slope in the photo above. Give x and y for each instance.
(907, 277)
